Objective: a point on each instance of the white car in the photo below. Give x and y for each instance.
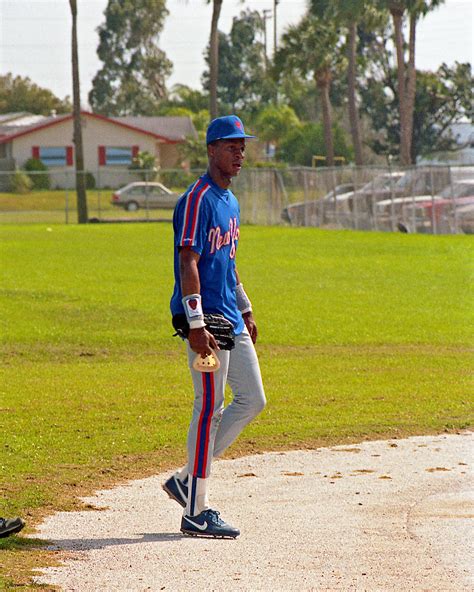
(141, 194)
(422, 212)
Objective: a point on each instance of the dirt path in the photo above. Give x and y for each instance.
(388, 515)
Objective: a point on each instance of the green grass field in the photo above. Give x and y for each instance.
(57, 206)
(362, 335)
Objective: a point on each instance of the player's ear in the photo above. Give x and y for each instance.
(212, 147)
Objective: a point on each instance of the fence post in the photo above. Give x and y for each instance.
(355, 221)
(147, 197)
(99, 194)
(336, 213)
(283, 194)
(255, 186)
(392, 205)
(99, 205)
(434, 226)
(66, 212)
(453, 199)
(272, 197)
(305, 189)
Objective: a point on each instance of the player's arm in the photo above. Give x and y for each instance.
(245, 306)
(200, 340)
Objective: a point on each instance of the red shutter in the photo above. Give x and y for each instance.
(69, 156)
(102, 160)
(35, 152)
(135, 151)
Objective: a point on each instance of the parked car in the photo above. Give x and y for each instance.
(336, 207)
(306, 212)
(378, 188)
(447, 212)
(355, 210)
(140, 194)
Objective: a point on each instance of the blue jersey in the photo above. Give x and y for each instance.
(206, 218)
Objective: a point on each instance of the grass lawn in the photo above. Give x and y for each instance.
(57, 206)
(362, 335)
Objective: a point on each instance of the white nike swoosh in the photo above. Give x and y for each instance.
(199, 526)
(183, 495)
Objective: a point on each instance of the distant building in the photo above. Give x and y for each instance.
(110, 143)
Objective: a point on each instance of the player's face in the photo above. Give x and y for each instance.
(228, 156)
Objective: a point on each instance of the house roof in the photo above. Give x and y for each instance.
(14, 125)
(18, 124)
(7, 118)
(176, 128)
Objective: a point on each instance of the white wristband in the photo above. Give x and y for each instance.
(243, 301)
(193, 310)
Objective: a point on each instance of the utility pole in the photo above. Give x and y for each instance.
(82, 216)
(266, 15)
(275, 4)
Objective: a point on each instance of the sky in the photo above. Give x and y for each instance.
(35, 37)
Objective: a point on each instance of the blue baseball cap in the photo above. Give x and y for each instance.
(226, 128)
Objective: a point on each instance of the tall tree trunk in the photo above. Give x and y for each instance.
(410, 90)
(351, 90)
(82, 216)
(214, 58)
(397, 16)
(323, 81)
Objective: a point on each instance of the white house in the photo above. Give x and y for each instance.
(110, 143)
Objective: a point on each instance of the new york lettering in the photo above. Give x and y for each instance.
(218, 239)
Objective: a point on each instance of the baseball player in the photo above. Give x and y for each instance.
(206, 234)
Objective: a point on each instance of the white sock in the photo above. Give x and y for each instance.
(198, 500)
(183, 474)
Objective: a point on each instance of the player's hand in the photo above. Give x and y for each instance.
(202, 342)
(251, 326)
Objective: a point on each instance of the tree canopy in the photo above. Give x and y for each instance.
(133, 77)
(442, 98)
(242, 83)
(21, 94)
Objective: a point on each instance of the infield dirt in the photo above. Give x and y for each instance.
(386, 515)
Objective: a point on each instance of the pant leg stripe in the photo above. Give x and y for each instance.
(201, 416)
(192, 493)
(210, 380)
(202, 440)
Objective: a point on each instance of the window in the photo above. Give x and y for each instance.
(118, 156)
(53, 155)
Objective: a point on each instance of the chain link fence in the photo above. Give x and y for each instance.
(428, 199)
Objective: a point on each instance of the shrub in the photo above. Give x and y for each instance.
(90, 180)
(302, 143)
(177, 178)
(145, 165)
(20, 182)
(39, 173)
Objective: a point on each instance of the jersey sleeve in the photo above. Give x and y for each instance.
(191, 219)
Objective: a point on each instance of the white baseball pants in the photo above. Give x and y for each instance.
(213, 428)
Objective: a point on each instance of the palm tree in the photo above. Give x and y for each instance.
(214, 57)
(311, 49)
(406, 73)
(82, 216)
(347, 13)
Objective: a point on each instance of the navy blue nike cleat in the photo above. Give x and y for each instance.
(208, 524)
(10, 526)
(176, 490)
